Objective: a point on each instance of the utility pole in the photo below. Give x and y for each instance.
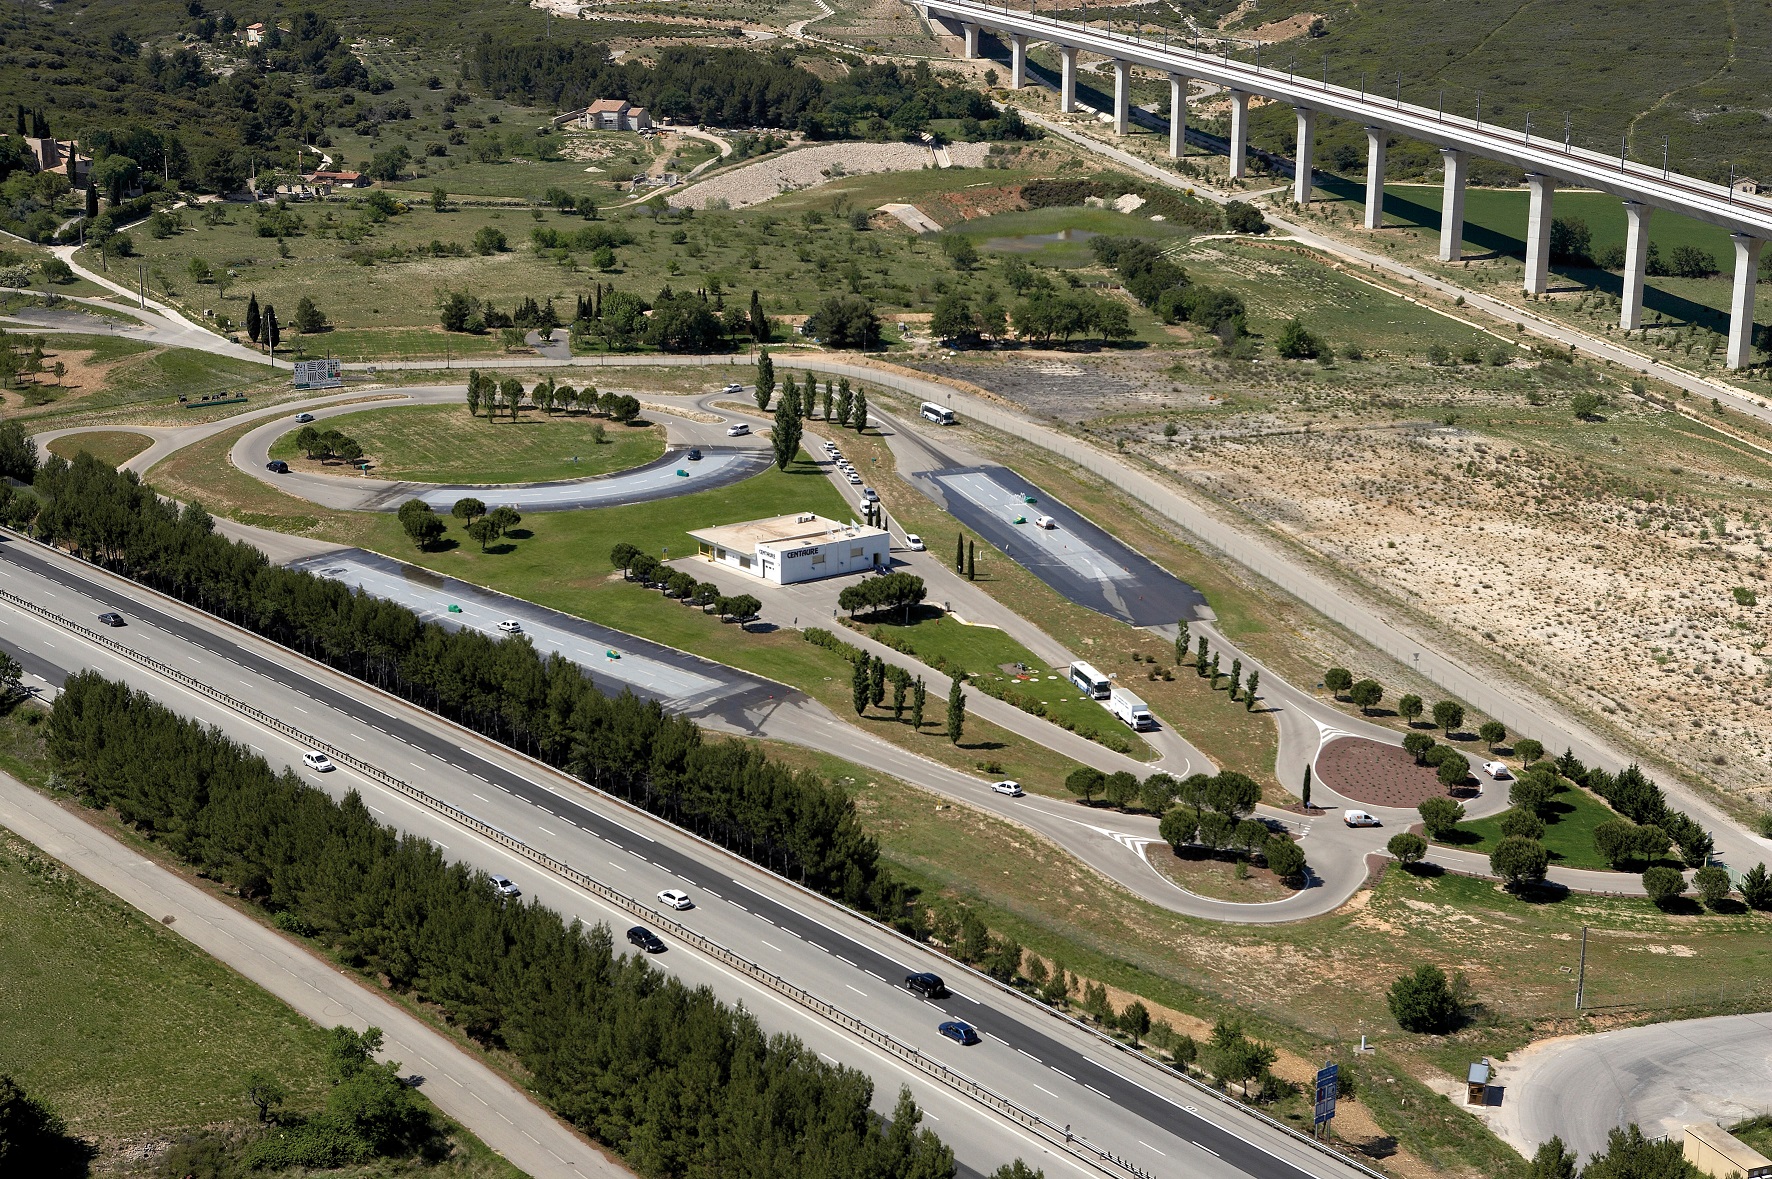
(1581, 978)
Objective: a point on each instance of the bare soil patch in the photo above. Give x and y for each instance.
(1375, 773)
(1209, 876)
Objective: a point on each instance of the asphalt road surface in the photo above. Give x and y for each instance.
(681, 682)
(1079, 559)
(1663, 1077)
(1042, 1062)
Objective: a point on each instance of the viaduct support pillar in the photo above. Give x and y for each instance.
(971, 33)
(1177, 116)
(1067, 86)
(1239, 133)
(1375, 145)
(1122, 96)
(1538, 227)
(1301, 158)
(1741, 304)
(1636, 255)
(1457, 166)
(1018, 61)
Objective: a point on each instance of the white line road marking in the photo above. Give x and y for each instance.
(777, 949)
(1093, 1089)
(1148, 1146)
(415, 765)
(615, 865)
(299, 709)
(377, 809)
(863, 994)
(544, 830)
(1044, 1089)
(481, 797)
(477, 1097)
(1209, 1151)
(1030, 1056)
(930, 1116)
(1064, 1074)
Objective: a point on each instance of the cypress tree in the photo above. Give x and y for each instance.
(785, 434)
(859, 410)
(21, 119)
(254, 320)
(1180, 643)
(844, 402)
(830, 400)
(809, 398)
(1200, 658)
(91, 198)
(273, 334)
(877, 682)
(971, 561)
(759, 321)
(900, 683)
(959, 552)
(956, 710)
(858, 685)
(1236, 677)
(1307, 786)
(919, 696)
(765, 379)
(1249, 691)
(474, 392)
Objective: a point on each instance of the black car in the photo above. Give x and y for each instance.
(277, 467)
(645, 939)
(111, 619)
(929, 986)
(695, 454)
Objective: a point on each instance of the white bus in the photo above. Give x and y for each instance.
(941, 415)
(1091, 682)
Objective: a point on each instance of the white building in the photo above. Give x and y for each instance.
(613, 114)
(789, 549)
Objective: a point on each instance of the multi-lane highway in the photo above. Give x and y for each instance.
(1045, 1064)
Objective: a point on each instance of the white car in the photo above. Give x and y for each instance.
(315, 760)
(505, 888)
(914, 542)
(1359, 819)
(853, 478)
(737, 430)
(1497, 770)
(1011, 789)
(733, 387)
(1045, 522)
(511, 626)
(676, 899)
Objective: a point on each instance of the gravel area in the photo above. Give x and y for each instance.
(1376, 774)
(808, 167)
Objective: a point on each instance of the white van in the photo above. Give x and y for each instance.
(1359, 819)
(1497, 770)
(1045, 522)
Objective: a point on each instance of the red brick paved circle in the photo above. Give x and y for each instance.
(1377, 774)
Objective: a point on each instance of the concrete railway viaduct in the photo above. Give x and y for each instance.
(1547, 162)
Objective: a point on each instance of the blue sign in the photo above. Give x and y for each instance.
(1328, 1085)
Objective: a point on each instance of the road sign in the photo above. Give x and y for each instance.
(1328, 1085)
(317, 374)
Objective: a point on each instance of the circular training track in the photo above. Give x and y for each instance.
(1376, 773)
(724, 461)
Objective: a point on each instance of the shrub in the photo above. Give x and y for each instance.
(1424, 1001)
(1522, 824)
(1408, 848)
(1713, 884)
(1441, 816)
(1664, 885)
(1285, 858)
(1519, 861)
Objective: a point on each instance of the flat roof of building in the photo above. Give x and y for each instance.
(1739, 1153)
(799, 527)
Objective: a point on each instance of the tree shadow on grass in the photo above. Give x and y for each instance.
(1458, 837)
(519, 533)
(1543, 892)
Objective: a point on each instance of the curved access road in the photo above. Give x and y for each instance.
(723, 461)
(1663, 1077)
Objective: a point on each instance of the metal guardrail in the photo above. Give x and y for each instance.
(1061, 1137)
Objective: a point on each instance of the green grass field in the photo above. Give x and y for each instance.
(445, 444)
(998, 233)
(115, 447)
(133, 373)
(1569, 823)
(984, 651)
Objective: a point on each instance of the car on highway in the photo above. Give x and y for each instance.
(853, 478)
(1359, 819)
(694, 454)
(1045, 522)
(511, 626)
(277, 467)
(111, 618)
(733, 387)
(505, 887)
(645, 939)
(315, 760)
(914, 543)
(1497, 770)
(676, 898)
(959, 1031)
(925, 984)
(737, 430)
(869, 495)
(304, 417)
(1009, 788)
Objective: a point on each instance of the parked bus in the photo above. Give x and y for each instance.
(941, 415)
(1091, 682)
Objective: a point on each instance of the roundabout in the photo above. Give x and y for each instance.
(688, 431)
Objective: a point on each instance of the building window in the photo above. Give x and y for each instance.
(855, 551)
(744, 562)
(818, 558)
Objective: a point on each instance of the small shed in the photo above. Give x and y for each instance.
(1476, 1083)
(1717, 1152)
